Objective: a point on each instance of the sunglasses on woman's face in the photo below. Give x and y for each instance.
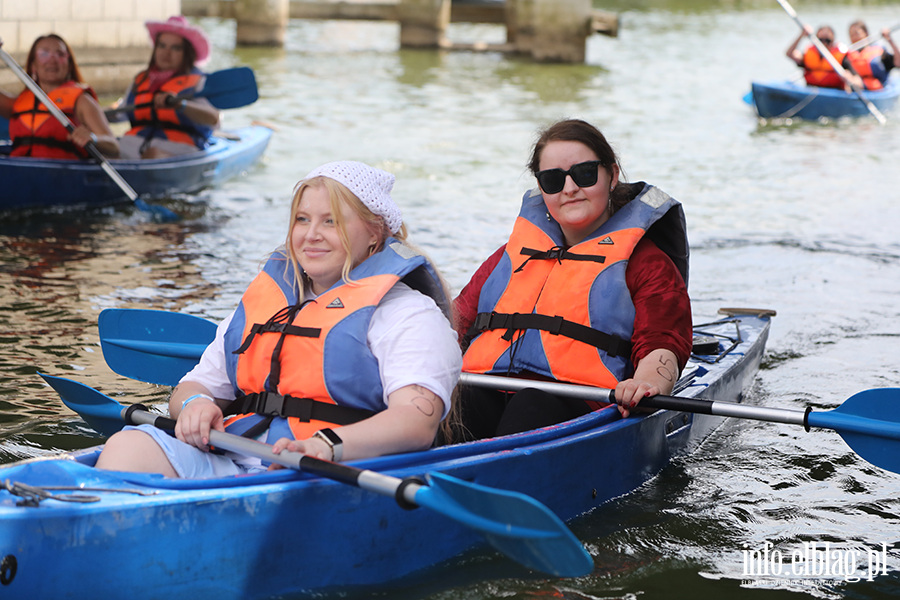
(44, 55)
(552, 181)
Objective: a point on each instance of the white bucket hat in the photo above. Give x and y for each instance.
(372, 186)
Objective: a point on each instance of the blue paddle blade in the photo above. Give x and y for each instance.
(154, 346)
(748, 98)
(101, 412)
(869, 422)
(230, 88)
(515, 524)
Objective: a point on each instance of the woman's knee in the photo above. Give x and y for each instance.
(135, 451)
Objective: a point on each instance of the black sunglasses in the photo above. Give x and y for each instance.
(552, 181)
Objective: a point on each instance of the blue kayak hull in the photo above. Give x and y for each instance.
(284, 533)
(786, 99)
(35, 183)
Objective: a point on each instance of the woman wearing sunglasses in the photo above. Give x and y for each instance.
(591, 289)
(816, 69)
(33, 129)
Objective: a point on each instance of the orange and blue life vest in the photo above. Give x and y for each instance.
(166, 123)
(566, 312)
(297, 368)
(868, 64)
(818, 71)
(34, 130)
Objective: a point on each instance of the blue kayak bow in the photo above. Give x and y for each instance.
(515, 524)
(160, 347)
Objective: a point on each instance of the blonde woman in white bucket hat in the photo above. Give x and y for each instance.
(341, 348)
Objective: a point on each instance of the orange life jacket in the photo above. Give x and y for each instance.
(566, 313)
(35, 132)
(316, 353)
(818, 71)
(867, 64)
(166, 123)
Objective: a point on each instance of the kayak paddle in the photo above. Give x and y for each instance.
(161, 211)
(228, 88)
(833, 62)
(869, 422)
(515, 524)
(869, 40)
(155, 346)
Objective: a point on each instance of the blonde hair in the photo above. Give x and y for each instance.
(339, 196)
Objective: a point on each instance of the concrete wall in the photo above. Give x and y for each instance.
(108, 37)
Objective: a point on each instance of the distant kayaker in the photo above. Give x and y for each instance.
(871, 62)
(816, 69)
(591, 289)
(167, 120)
(341, 348)
(33, 129)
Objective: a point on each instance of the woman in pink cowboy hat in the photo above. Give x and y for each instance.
(167, 120)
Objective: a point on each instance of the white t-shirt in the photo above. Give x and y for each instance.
(409, 336)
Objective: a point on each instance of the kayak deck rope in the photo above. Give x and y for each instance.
(32, 495)
(734, 340)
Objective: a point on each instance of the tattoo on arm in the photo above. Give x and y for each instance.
(666, 369)
(425, 401)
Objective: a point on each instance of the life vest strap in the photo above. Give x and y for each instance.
(272, 327)
(304, 409)
(557, 253)
(40, 141)
(157, 124)
(613, 345)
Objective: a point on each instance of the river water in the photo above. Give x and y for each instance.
(797, 217)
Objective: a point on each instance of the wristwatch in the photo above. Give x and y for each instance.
(334, 442)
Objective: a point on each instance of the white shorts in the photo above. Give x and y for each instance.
(130, 147)
(192, 463)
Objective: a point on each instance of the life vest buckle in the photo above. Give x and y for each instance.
(270, 403)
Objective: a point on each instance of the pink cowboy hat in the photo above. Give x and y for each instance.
(180, 26)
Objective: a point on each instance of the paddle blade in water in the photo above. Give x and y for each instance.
(870, 424)
(98, 410)
(154, 346)
(515, 524)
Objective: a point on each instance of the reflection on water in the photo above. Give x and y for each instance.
(799, 217)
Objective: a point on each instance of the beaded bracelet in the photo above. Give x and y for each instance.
(194, 397)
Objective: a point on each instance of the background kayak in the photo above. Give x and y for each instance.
(787, 99)
(31, 183)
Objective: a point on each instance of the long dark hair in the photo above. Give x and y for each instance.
(576, 130)
(187, 60)
(74, 71)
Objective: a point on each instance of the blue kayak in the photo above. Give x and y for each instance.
(286, 533)
(788, 99)
(35, 183)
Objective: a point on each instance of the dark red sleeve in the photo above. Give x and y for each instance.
(465, 306)
(662, 307)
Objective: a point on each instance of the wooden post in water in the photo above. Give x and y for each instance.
(423, 23)
(261, 22)
(550, 30)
